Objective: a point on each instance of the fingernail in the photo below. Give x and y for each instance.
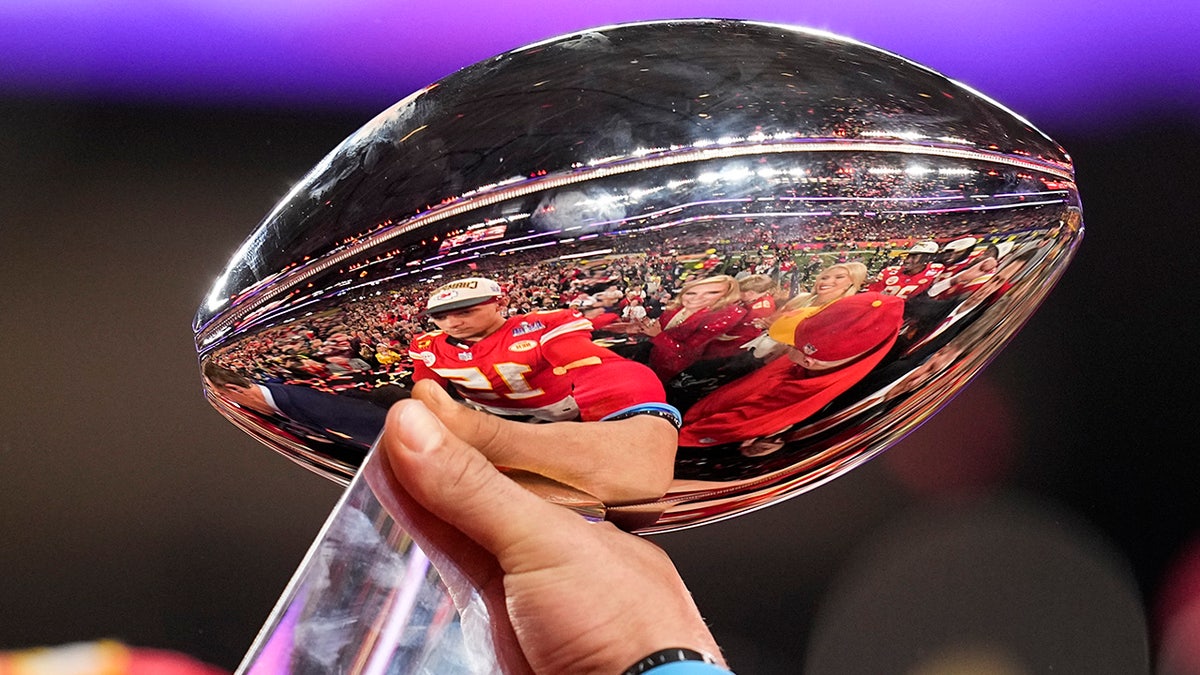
(422, 432)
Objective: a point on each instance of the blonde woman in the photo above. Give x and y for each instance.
(757, 296)
(832, 284)
(704, 309)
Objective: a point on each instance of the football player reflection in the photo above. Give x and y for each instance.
(828, 353)
(931, 322)
(541, 366)
(912, 276)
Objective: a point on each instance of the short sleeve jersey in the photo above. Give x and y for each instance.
(508, 372)
(893, 281)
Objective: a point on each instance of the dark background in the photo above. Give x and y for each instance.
(1038, 524)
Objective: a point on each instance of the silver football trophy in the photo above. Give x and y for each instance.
(776, 248)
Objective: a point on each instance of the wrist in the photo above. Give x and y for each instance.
(666, 411)
(676, 661)
(689, 668)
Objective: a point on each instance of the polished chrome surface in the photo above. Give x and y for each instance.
(628, 161)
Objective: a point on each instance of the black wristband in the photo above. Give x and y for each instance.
(665, 656)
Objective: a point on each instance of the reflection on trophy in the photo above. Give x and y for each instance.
(750, 256)
(543, 367)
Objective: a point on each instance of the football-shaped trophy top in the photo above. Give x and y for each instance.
(781, 247)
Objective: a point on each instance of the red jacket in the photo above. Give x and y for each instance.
(677, 348)
(770, 400)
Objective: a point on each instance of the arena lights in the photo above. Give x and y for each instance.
(586, 254)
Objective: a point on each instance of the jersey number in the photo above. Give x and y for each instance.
(513, 375)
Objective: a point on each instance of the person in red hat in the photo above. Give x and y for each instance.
(830, 352)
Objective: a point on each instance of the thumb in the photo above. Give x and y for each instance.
(459, 485)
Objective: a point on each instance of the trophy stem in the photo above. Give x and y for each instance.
(366, 600)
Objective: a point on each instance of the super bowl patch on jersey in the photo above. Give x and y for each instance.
(522, 346)
(526, 327)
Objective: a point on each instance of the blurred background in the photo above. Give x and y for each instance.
(1048, 520)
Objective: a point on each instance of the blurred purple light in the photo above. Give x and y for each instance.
(1072, 63)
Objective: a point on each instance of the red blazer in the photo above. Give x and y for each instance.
(677, 348)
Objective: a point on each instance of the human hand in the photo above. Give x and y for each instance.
(565, 595)
(650, 327)
(617, 462)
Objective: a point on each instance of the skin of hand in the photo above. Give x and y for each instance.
(622, 462)
(565, 595)
(641, 326)
(650, 327)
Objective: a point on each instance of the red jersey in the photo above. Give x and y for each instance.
(541, 364)
(951, 270)
(893, 281)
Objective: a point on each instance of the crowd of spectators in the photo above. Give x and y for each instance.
(360, 346)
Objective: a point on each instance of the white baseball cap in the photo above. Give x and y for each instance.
(462, 293)
(961, 244)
